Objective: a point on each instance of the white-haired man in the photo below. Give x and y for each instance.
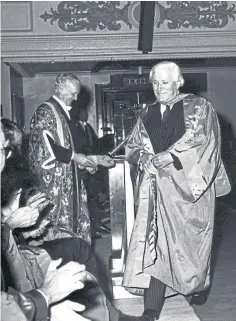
(175, 147)
(55, 160)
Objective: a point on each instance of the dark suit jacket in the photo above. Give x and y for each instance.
(32, 303)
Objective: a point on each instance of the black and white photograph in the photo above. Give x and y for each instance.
(118, 160)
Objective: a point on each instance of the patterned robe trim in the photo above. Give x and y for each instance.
(46, 164)
(58, 182)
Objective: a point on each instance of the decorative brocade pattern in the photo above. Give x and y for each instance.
(75, 16)
(57, 182)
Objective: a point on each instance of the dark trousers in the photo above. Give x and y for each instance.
(154, 296)
(72, 249)
(76, 249)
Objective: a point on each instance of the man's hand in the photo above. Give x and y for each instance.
(59, 283)
(91, 170)
(162, 160)
(36, 232)
(25, 216)
(102, 160)
(83, 160)
(35, 197)
(66, 310)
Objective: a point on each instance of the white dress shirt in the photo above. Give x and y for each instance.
(63, 105)
(163, 108)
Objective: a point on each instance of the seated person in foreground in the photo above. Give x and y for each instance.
(32, 305)
(23, 212)
(30, 268)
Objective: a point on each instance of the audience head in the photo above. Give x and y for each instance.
(14, 167)
(3, 144)
(67, 87)
(83, 115)
(13, 134)
(166, 79)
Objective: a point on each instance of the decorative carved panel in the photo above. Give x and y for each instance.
(88, 15)
(16, 16)
(74, 16)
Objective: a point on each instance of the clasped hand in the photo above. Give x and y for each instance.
(20, 217)
(162, 160)
(91, 162)
(102, 160)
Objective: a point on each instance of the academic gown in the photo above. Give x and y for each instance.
(183, 200)
(60, 181)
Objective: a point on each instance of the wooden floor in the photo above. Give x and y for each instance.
(175, 308)
(221, 304)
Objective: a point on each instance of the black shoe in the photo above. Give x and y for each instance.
(152, 314)
(199, 298)
(126, 317)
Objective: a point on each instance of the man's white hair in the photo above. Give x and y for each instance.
(172, 67)
(63, 78)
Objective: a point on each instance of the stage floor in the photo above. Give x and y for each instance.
(221, 304)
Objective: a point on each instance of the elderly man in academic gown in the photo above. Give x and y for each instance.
(56, 161)
(175, 148)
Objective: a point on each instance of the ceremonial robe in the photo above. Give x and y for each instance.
(183, 198)
(60, 181)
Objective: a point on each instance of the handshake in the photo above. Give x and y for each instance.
(85, 162)
(91, 162)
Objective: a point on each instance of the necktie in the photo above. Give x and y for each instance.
(166, 114)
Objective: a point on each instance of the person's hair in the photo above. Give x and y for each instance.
(63, 78)
(83, 114)
(15, 174)
(10, 129)
(175, 70)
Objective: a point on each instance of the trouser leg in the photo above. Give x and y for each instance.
(154, 296)
(72, 249)
(78, 250)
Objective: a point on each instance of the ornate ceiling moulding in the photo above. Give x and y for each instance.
(117, 47)
(76, 16)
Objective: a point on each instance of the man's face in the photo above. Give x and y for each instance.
(69, 92)
(16, 143)
(164, 85)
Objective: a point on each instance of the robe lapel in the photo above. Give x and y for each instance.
(152, 123)
(171, 130)
(58, 106)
